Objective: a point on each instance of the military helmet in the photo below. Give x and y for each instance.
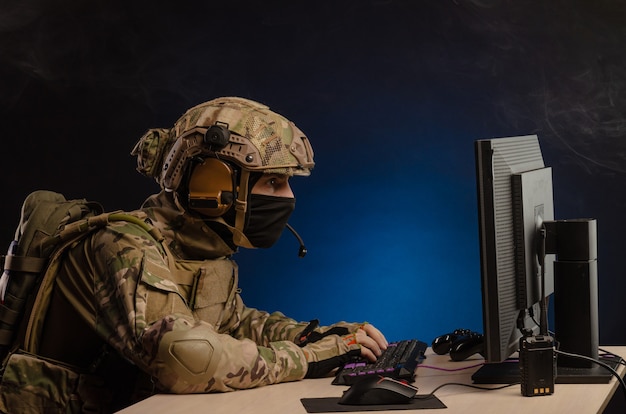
(203, 144)
(239, 130)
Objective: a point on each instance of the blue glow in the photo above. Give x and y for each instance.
(392, 241)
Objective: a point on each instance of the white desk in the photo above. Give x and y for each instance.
(285, 398)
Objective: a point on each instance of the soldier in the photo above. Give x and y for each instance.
(162, 293)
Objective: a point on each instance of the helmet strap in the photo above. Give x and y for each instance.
(241, 206)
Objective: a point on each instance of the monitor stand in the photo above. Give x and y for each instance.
(507, 372)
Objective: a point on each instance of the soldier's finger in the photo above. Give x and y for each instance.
(376, 335)
(366, 342)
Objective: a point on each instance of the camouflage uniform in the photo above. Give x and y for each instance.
(132, 290)
(140, 295)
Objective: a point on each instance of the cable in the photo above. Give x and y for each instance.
(621, 360)
(602, 364)
(432, 393)
(450, 369)
(608, 367)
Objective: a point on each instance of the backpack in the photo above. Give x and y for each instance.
(48, 221)
(49, 225)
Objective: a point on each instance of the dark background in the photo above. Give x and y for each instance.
(391, 93)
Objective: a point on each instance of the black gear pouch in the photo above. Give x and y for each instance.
(310, 335)
(322, 368)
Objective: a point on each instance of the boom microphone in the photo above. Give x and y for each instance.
(302, 252)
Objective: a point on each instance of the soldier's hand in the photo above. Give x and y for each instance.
(372, 341)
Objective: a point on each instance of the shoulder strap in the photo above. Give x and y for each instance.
(69, 236)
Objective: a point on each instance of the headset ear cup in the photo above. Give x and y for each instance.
(211, 188)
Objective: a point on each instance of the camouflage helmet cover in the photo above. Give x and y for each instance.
(260, 140)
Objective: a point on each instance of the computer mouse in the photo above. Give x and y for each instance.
(378, 390)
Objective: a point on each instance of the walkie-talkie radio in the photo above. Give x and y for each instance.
(537, 358)
(537, 364)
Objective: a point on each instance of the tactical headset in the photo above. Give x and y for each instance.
(212, 187)
(213, 149)
(212, 184)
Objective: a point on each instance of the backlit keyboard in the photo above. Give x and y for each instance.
(398, 361)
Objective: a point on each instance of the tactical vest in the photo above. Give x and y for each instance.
(213, 291)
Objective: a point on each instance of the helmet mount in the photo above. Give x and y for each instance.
(216, 137)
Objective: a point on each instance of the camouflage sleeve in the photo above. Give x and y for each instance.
(139, 306)
(264, 328)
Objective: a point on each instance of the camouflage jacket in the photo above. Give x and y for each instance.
(133, 290)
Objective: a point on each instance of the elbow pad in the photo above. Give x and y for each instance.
(191, 354)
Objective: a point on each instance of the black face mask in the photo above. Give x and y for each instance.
(267, 217)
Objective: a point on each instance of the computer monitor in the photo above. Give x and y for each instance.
(526, 256)
(514, 199)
